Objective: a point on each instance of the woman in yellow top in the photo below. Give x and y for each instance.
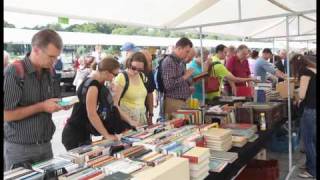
(134, 97)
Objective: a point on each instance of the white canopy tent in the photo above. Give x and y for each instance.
(243, 18)
(24, 36)
(262, 19)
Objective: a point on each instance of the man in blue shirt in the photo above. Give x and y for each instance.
(262, 66)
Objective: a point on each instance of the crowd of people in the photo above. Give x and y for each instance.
(117, 94)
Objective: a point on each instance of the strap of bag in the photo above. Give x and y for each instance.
(126, 85)
(84, 89)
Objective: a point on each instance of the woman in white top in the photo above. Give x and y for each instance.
(252, 61)
(83, 71)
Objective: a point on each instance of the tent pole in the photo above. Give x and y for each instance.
(202, 66)
(239, 10)
(289, 103)
(273, 49)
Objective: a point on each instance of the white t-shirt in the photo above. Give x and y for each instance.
(252, 63)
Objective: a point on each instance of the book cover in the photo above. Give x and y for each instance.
(197, 154)
(68, 101)
(200, 76)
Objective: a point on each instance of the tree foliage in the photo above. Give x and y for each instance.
(106, 28)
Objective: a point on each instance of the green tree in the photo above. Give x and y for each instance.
(81, 50)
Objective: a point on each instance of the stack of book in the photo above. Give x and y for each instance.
(239, 141)
(217, 165)
(194, 116)
(198, 162)
(22, 173)
(55, 167)
(131, 151)
(85, 153)
(151, 158)
(229, 157)
(123, 165)
(218, 139)
(175, 168)
(100, 161)
(84, 173)
(175, 148)
(241, 132)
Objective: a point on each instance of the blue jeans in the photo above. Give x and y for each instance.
(308, 132)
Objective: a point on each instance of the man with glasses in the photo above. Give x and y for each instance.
(238, 65)
(29, 102)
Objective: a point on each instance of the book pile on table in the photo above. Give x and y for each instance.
(85, 153)
(218, 139)
(136, 136)
(273, 95)
(193, 116)
(241, 132)
(229, 157)
(55, 167)
(83, 173)
(217, 165)
(231, 98)
(22, 173)
(198, 162)
(125, 165)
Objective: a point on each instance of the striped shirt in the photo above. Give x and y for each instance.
(175, 86)
(24, 92)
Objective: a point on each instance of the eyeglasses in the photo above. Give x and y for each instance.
(136, 69)
(50, 56)
(114, 74)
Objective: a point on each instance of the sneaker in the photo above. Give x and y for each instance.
(305, 174)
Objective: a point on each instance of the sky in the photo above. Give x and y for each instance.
(21, 20)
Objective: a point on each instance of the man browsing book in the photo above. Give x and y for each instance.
(29, 103)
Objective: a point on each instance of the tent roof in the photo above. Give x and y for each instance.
(24, 36)
(184, 13)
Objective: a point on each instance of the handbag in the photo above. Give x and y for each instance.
(212, 83)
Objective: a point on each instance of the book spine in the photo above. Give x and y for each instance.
(192, 159)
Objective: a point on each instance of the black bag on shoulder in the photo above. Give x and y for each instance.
(108, 113)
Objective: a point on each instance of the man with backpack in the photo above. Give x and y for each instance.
(29, 103)
(175, 78)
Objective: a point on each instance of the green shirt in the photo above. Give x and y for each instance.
(220, 71)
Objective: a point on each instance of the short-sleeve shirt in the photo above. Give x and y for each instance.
(238, 68)
(198, 85)
(310, 100)
(262, 67)
(23, 92)
(135, 95)
(220, 71)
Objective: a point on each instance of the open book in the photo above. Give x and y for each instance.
(200, 76)
(67, 101)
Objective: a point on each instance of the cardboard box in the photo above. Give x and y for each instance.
(282, 88)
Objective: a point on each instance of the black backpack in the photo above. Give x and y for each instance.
(108, 113)
(158, 75)
(126, 85)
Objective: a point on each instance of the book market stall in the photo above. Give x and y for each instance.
(207, 140)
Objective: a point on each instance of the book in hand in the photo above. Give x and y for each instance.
(200, 76)
(68, 101)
